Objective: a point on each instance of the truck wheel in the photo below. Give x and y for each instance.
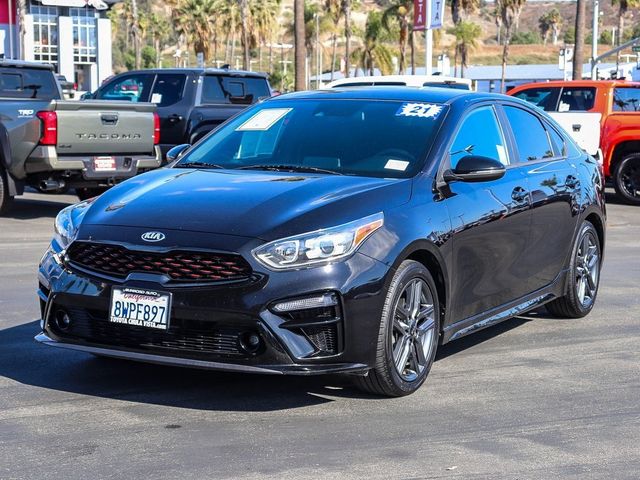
(627, 179)
(5, 198)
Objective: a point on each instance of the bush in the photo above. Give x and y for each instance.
(570, 35)
(526, 38)
(148, 55)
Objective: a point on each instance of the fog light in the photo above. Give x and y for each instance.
(250, 342)
(62, 319)
(324, 300)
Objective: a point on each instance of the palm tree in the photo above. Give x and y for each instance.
(578, 51)
(334, 12)
(462, 7)
(192, 18)
(373, 52)
(135, 32)
(510, 11)
(398, 12)
(467, 35)
(244, 32)
(550, 22)
(22, 13)
(265, 20)
(623, 7)
(300, 49)
(159, 29)
(346, 13)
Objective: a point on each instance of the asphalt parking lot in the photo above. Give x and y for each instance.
(532, 398)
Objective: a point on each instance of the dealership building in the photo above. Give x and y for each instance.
(72, 35)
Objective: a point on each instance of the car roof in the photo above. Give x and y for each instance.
(407, 94)
(24, 64)
(202, 71)
(575, 83)
(410, 80)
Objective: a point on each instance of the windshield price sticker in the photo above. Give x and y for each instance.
(400, 165)
(263, 120)
(422, 110)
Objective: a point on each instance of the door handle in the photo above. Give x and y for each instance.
(109, 119)
(519, 195)
(576, 127)
(175, 118)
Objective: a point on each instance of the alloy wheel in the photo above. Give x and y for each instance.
(414, 330)
(630, 179)
(587, 269)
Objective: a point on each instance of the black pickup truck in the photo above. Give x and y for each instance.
(53, 144)
(191, 101)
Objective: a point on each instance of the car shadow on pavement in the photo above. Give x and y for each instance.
(26, 362)
(25, 208)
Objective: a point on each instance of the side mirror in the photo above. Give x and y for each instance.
(475, 168)
(86, 96)
(176, 152)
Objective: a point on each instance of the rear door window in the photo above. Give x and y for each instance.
(168, 89)
(530, 135)
(577, 99)
(128, 88)
(626, 99)
(543, 97)
(234, 90)
(29, 83)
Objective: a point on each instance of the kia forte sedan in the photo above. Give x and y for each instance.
(334, 231)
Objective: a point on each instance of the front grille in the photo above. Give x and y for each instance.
(181, 266)
(182, 336)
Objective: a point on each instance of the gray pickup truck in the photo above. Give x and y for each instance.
(54, 145)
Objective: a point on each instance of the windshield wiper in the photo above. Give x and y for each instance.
(197, 165)
(289, 168)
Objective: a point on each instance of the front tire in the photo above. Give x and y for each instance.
(584, 276)
(409, 332)
(6, 200)
(627, 179)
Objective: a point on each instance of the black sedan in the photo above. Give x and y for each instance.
(338, 231)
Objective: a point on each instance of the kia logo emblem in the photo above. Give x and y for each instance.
(153, 236)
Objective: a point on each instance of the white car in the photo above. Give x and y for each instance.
(403, 81)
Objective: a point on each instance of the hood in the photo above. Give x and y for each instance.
(256, 204)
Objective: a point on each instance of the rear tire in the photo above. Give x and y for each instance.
(627, 179)
(583, 277)
(408, 336)
(6, 200)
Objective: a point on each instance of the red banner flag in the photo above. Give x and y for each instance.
(419, 15)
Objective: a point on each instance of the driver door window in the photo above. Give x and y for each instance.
(479, 135)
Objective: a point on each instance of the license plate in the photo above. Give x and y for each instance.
(140, 307)
(104, 164)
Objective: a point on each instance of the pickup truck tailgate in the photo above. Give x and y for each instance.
(104, 127)
(583, 127)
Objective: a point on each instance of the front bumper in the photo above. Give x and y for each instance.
(208, 320)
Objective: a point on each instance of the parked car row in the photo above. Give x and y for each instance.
(124, 128)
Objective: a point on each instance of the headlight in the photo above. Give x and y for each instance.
(67, 222)
(318, 247)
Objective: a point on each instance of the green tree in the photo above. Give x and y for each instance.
(510, 11)
(398, 13)
(333, 10)
(193, 19)
(373, 52)
(460, 8)
(467, 35)
(623, 8)
(550, 22)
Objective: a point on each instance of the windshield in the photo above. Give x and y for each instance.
(350, 137)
